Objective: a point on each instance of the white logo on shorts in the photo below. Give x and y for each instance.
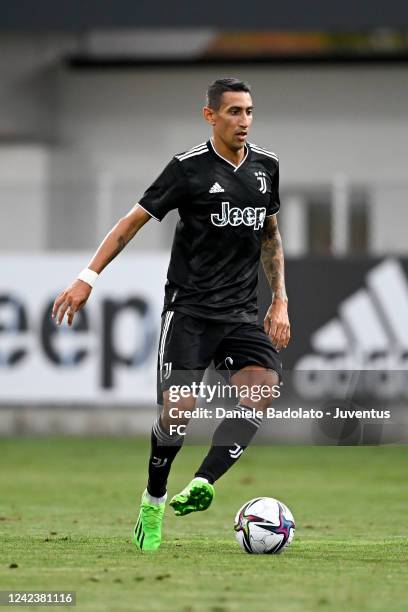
(166, 370)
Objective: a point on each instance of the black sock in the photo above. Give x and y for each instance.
(164, 448)
(230, 439)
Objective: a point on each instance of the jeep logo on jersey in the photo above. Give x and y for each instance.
(235, 216)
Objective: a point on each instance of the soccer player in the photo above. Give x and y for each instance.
(226, 191)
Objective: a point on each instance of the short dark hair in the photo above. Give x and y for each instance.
(216, 89)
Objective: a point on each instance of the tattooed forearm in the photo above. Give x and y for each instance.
(272, 258)
(121, 243)
(118, 237)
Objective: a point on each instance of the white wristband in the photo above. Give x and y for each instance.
(88, 276)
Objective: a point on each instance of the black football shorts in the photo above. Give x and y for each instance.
(188, 345)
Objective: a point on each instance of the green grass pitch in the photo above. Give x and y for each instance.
(67, 508)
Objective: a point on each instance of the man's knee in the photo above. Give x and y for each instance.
(258, 386)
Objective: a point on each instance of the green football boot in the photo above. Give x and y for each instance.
(196, 496)
(147, 531)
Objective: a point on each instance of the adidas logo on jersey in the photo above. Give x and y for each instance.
(216, 188)
(369, 335)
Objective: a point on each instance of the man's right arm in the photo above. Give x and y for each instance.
(76, 295)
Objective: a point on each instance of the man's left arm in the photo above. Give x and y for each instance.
(276, 322)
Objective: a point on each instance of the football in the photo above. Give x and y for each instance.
(264, 525)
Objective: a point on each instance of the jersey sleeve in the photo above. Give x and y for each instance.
(274, 202)
(167, 192)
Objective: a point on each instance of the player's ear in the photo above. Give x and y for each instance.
(208, 115)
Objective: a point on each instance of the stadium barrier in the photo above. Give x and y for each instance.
(349, 344)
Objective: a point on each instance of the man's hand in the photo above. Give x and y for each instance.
(70, 301)
(276, 324)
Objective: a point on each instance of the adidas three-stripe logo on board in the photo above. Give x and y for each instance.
(370, 322)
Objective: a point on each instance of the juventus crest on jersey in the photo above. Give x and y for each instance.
(217, 244)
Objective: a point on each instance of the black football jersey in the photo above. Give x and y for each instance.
(213, 270)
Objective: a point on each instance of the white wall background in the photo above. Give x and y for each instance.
(320, 120)
(107, 134)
